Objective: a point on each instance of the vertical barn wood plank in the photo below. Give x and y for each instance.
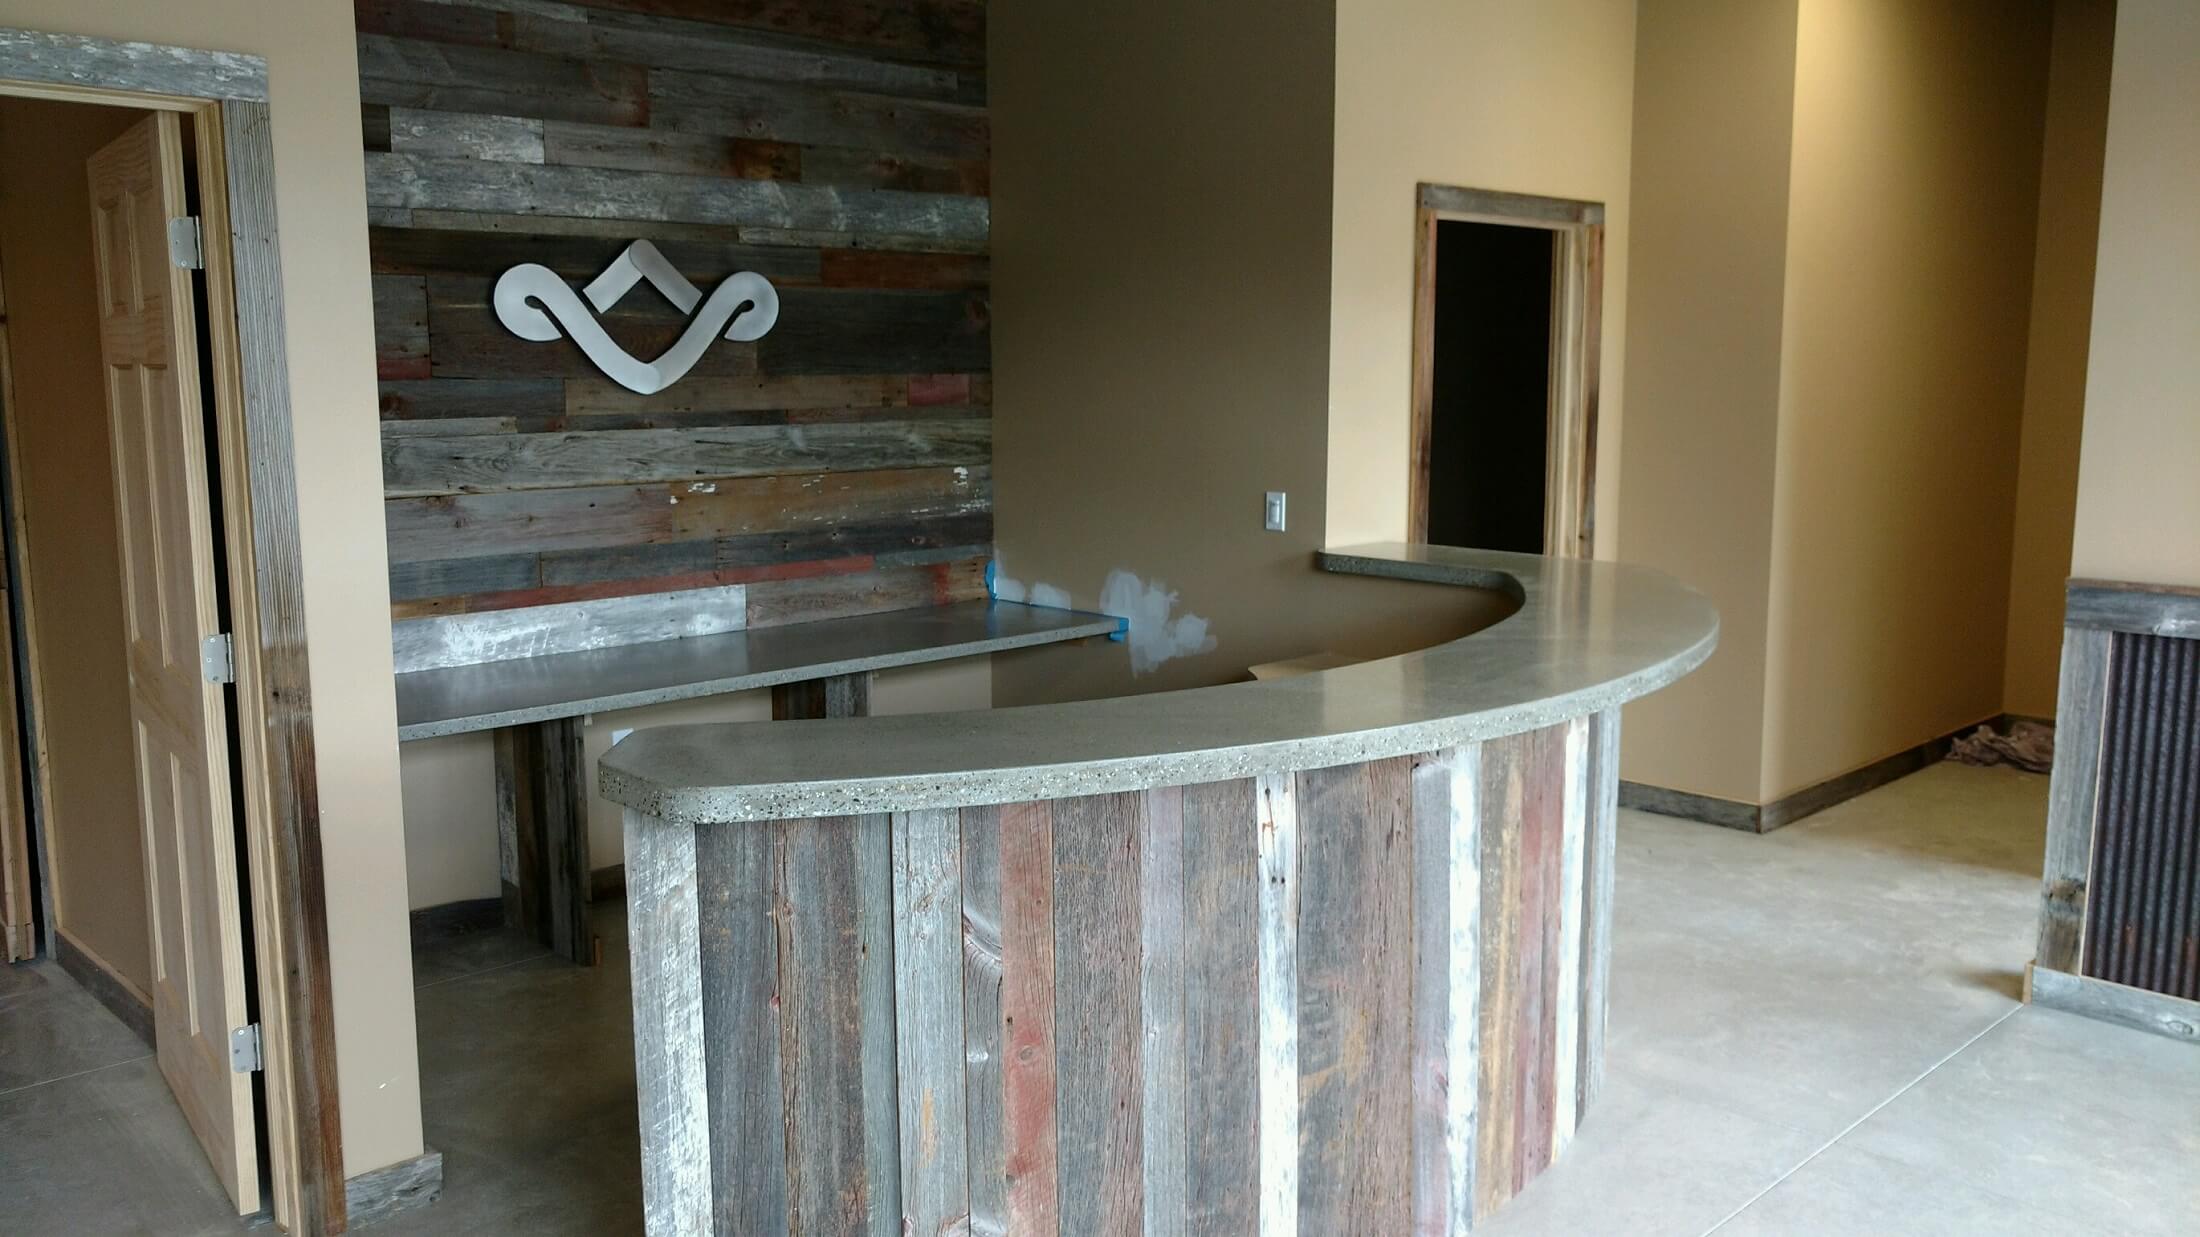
(2080, 716)
(1276, 832)
(664, 940)
(1222, 1009)
(1542, 845)
(739, 913)
(928, 1021)
(875, 983)
(542, 835)
(1028, 1101)
(1096, 1017)
(1161, 999)
(1601, 864)
(982, 1026)
(1569, 909)
(1447, 988)
(562, 787)
(1355, 998)
(821, 1029)
(1499, 813)
(1522, 820)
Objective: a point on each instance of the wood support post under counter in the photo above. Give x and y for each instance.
(542, 835)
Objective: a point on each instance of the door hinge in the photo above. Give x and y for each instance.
(217, 659)
(244, 1050)
(183, 243)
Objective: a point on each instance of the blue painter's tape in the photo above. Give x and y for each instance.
(992, 567)
(1122, 630)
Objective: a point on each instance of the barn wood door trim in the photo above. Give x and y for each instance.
(1577, 319)
(224, 96)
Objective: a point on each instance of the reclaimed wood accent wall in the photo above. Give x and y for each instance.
(839, 465)
(1364, 999)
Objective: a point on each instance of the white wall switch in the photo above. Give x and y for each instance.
(1272, 511)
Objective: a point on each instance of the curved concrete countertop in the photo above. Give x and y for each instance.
(1587, 636)
(1372, 903)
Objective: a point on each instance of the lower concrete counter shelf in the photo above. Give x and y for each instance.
(1315, 955)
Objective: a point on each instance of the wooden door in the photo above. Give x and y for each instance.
(149, 351)
(17, 930)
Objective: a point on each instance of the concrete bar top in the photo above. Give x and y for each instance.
(1587, 636)
(456, 699)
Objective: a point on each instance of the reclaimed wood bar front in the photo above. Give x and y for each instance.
(1317, 955)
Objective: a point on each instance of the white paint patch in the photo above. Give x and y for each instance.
(1006, 589)
(1050, 596)
(1155, 636)
(703, 487)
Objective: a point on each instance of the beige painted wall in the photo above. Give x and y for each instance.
(1714, 93)
(68, 536)
(313, 69)
(1160, 320)
(1911, 205)
(1485, 94)
(2139, 471)
(2055, 359)
(450, 783)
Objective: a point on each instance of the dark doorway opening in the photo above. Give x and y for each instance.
(1490, 386)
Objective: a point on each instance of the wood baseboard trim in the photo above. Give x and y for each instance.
(2153, 1012)
(1810, 800)
(448, 919)
(380, 1193)
(432, 923)
(1704, 809)
(95, 975)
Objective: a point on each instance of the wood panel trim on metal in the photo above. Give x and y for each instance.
(2073, 790)
(2145, 609)
(2156, 1014)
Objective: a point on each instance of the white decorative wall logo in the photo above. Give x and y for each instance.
(534, 303)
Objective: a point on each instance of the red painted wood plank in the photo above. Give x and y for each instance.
(1027, 1016)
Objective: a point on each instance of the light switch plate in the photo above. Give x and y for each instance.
(1272, 511)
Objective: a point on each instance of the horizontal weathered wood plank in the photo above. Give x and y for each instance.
(420, 183)
(775, 602)
(828, 42)
(69, 60)
(497, 81)
(463, 135)
(455, 464)
(469, 639)
(712, 103)
(439, 251)
(542, 521)
(467, 398)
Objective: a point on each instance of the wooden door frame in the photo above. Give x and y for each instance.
(224, 96)
(1577, 323)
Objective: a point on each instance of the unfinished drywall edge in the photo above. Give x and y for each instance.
(1151, 627)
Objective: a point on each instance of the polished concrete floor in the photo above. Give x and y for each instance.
(1814, 1032)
